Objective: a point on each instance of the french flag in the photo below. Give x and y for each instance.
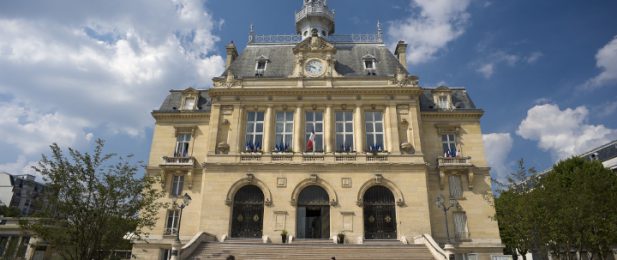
(310, 144)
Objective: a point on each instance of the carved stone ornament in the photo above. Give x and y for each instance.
(268, 202)
(407, 148)
(314, 178)
(378, 178)
(360, 203)
(333, 203)
(222, 147)
(250, 177)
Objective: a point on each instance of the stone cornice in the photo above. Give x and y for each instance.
(314, 91)
(180, 115)
(475, 114)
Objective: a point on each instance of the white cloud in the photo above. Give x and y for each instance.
(488, 65)
(97, 65)
(438, 23)
(606, 60)
(30, 132)
(497, 146)
(532, 58)
(563, 132)
(486, 70)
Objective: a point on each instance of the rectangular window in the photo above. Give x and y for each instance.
(374, 131)
(443, 102)
(173, 216)
(254, 131)
(182, 145)
(314, 126)
(189, 103)
(460, 225)
(166, 254)
(448, 142)
(260, 68)
(284, 131)
(177, 182)
(344, 131)
(368, 64)
(456, 190)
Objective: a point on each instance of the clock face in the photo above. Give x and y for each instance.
(314, 67)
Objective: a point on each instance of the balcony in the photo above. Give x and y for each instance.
(178, 162)
(462, 236)
(314, 11)
(454, 162)
(170, 231)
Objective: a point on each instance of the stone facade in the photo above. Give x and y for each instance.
(203, 136)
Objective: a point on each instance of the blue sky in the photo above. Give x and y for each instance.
(72, 71)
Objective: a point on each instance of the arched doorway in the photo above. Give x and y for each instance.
(248, 213)
(313, 215)
(379, 213)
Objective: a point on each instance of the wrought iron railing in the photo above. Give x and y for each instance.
(462, 236)
(170, 231)
(294, 38)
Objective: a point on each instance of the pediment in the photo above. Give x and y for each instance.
(314, 44)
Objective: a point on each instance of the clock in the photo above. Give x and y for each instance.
(314, 68)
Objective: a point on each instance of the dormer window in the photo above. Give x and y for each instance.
(189, 103)
(442, 98)
(443, 102)
(369, 62)
(261, 66)
(189, 99)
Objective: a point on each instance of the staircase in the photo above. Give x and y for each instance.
(305, 250)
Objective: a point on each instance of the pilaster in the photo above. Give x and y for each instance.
(215, 117)
(298, 130)
(268, 129)
(358, 130)
(328, 129)
(235, 137)
(392, 128)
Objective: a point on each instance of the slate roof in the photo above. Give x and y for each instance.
(174, 100)
(349, 59)
(602, 153)
(460, 100)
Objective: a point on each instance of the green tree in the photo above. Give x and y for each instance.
(580, 197)
(516, 211)
(91, 201)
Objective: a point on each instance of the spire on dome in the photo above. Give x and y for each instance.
(315, 15)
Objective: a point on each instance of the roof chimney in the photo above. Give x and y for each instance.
(232, 54)
(401, 53)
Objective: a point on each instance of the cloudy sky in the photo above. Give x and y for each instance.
(72, 71)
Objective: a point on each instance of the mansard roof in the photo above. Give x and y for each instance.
(349, 60)
(459, 96)
(173, 102)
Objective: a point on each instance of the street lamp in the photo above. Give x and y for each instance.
(186, 200)
(441, 203)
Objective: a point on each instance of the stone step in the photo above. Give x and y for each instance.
(307, 251)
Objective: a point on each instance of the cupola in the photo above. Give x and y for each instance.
(315, 16)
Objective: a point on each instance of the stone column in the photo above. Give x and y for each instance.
(329, 129)
(358, 129)
(392, 130)
(298, 137)
(268, 130)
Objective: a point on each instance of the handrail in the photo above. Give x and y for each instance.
(432, 246)
(192, 245)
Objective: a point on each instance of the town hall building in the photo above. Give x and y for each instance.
(318, 134)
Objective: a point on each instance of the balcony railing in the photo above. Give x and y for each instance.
(462, 236)
(178, 161)
(314, 11)
(170, 231)
(454, 161)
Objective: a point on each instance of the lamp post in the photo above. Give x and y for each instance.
(441, 203)
(186, 200)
